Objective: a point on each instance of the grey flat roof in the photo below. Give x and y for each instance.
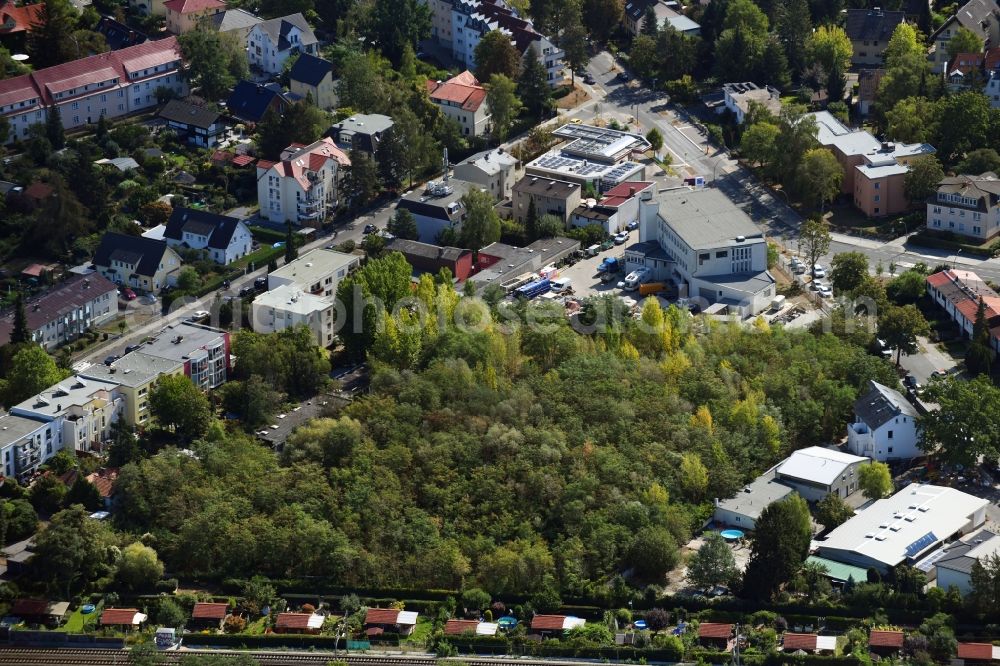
(314, 265)
(194, 336)
(754, 498)
(748, 282)
(706, 218)
(13, 428)
(133, 369)
(56, 399)
(649, 249)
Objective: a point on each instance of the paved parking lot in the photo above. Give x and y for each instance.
(583, 274)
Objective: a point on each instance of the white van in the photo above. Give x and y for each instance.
(593, 250)
(559, 285)
(635, 278)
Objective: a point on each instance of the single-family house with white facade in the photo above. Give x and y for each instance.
(462, 99)
(701, 241)
(815, 472)
(222, 238)
(885, 425)
(302, 187)
(737, 98)
(272, 42)
(137, 262)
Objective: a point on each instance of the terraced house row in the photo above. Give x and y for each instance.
(110, 84)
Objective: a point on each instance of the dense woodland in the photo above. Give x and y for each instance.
(525, 462)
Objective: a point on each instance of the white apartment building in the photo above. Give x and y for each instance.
(495, 170)
(705, 244)
(271, 43)
(966, 205)
(302, 187)
(110, 84)
(288, 306)
(885, 426)
(80, 410)
(202, 350)
(316, 272)
(25, 444)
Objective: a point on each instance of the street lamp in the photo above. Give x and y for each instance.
(955, 258)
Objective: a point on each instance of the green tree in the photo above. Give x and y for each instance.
(899, 326)
(50, 40)
(176, 403)
(403, 225)
(907, 287)
(504, 105)
(215, 61)
(291, 251)
(979, 161)
(820, 176)
(496, 54)
(254, 401)
(693, 475)
(361, 86)
(740, 47)
(848, 270)
(912, 120)
(47, 493)
(301, 123)
(361, 182)
(419, 148)
(601, 17)
(124, 445)
(385, 280)
(54, 129)
(83, 492)
(906, 67)
(74, 549)
(875, 480)
(139, 567)
(533, 85)
(169, 613)
(964, 122)
(780, 545)
(18, 520)
(966, 425)
(482, 224)
(650, 23)
(573, 42)
(830, 48)
(652, 554)
(31, 371)
(814, 239)
(832, 511)
(258, 593)
(531, 222)
(759, 143)
(923, 177)
(188, 279)
(20, 333)
(979, 358)
(476, 600)
(794, 26)
(985, 581)
(655, 140)
(713, 564)
(964, 41)
(392, 24)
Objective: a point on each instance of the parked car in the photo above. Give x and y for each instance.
(132, 348)
(634, 224)
(589, 80)
(260, 284)
(111, 359)
(128, 294)
(370, 229)
(199, 315)
(910, 382)
(819, 271)
(246, 291)
(939, 373)
(825, 292)
(624, 77)
(621, 237)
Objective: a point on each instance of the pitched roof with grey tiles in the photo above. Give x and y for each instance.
(189, 114)
(310, 70)
(872, 24)
(218, 228)
(278, 29)
(881, 404)
(146, 253)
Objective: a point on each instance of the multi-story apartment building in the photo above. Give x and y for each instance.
(869, 31)
(302, 187)
(496, 170)
(966, 205)
(271, 43)
(66, 311)
(202, 350)
(25, 444)
(81, 411)
(316, 272)
(136, 375)
(459, 25)
(110, 84)
(288, 306)
(462, 99)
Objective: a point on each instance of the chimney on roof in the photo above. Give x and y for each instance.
(631, 191)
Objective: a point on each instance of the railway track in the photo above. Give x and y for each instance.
(26, 656)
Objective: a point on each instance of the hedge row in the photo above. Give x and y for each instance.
(926, 239)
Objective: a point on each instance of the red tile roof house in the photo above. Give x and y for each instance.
(885, 643)
(716, 636)
(122, 618)
(208, 615)
(463, 99)
(298, 623)
(390, 620)
(978, 653)
(112, 84)
(459, 627)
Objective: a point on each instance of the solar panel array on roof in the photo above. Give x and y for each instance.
(920, 544)
(620, 170)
